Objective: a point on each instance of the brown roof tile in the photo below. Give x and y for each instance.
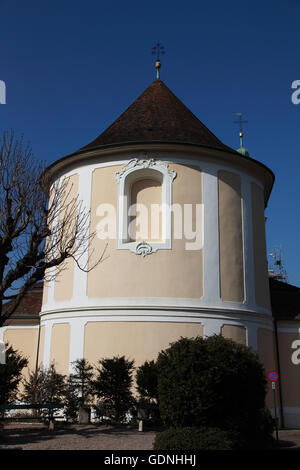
(157, 115)
(31, 303)
(285, 300)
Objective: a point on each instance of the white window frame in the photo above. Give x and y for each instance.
(133, 171)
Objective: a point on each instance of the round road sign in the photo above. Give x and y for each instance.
(273, 376)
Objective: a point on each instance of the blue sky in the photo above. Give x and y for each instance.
(72, 67)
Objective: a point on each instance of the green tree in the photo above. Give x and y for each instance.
(147, 381)
(54, 388)
(71, 402)
(214, 382)
(113, 385)
(33, 387)
(147, 387)
(79, 390)
(82, 380)
(11, 375)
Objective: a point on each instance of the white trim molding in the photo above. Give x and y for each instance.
(134, 170)
(141, 161)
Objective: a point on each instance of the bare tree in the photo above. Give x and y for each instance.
(41, 224)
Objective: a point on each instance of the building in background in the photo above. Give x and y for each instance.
(208, 276)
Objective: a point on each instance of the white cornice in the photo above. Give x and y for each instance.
(258, 169)
(163, 313)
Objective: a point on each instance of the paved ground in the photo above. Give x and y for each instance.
(289, 439)
(90, 437)
(68, 437)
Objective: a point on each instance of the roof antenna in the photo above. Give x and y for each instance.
(278, 270)
(240, 121)
(157, 50)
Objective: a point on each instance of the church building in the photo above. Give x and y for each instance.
(180, 229)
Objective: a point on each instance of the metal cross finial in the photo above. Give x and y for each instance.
(157, 50)
(240, 122)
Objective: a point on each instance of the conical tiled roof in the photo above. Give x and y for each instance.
(157, 116)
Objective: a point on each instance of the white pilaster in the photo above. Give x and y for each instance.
(2, 330)
(52, 271)
(248, 242)
(252, 336)
(212, 327)
(47, 344)
(211, 264)
(76, 341)
(80, 275)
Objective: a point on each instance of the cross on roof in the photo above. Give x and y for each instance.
(240, 122)
(157, 50)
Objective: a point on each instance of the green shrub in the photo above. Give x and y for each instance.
(72, 404)
(146, 380)
(33, 387)
(214, 383)
(81, 380)
(54, 389)
(11, 375)
(259, 433)
(113, 386)
(192, 438)
(79, 391)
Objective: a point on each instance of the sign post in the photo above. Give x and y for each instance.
(273, 377)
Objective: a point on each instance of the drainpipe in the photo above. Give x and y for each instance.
(279, 374)
(38, 348)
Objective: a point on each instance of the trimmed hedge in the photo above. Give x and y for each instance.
(191, 438)
(214, 383)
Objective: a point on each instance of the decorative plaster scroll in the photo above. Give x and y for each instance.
(138, 164)
(144, 249)
(125, 177)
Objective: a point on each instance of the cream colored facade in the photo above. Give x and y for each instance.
(136, 305)
(25, 340)
(203, 278)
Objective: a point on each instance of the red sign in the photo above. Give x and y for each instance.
(273, 376)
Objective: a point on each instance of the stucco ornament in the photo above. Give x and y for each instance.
(144, 249)
(131, 171)
(139, 163)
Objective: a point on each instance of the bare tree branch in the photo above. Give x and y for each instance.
(41, 225)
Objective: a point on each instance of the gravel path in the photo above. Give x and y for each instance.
(289, 439)
(68, 437)
(91, 437)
